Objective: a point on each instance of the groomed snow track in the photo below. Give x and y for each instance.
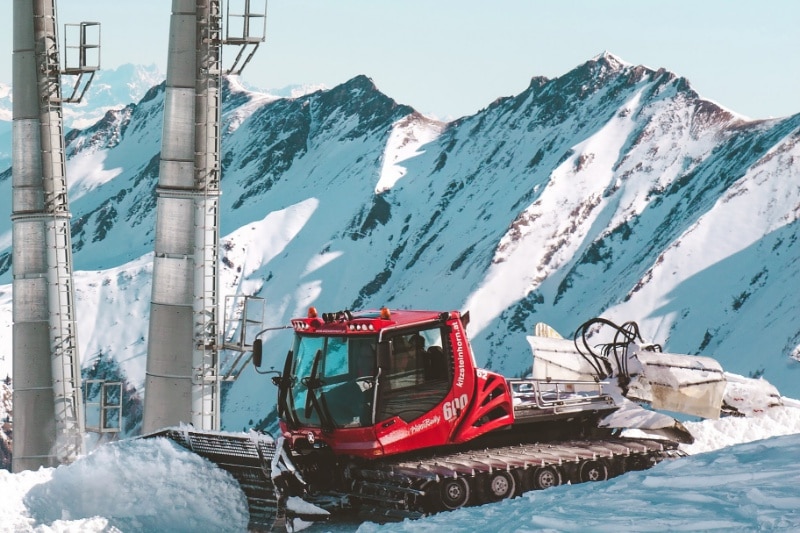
(425, 485)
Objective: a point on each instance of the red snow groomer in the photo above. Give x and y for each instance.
(387, 411)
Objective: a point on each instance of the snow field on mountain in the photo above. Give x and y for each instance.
(750, 210)
(113, 308)
(232, 120)
(87, 172)
(542, 241)
(734, 255)
(407, 140)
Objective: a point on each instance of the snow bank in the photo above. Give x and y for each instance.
(153, 485)
(131, 485)
(715, 434)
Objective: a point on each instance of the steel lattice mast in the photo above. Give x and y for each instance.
(46, 363)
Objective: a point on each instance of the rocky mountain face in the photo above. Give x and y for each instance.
(110, 89)
(614, 189)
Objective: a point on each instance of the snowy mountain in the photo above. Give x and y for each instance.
(110, 89)
(613, 189)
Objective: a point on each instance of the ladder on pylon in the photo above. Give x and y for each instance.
(206, 380)
(65, 360)
(207, 183)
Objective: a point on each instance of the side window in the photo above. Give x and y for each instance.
(417, 377)
(362, 357)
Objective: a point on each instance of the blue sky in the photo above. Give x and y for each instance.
(452, 57)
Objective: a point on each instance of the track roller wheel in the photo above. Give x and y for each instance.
(544, 477)
(453, 493)
(593, 471)
(498, 485)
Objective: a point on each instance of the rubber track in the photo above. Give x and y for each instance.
(403, 484)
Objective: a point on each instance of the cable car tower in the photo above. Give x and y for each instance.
(48, 410)
(182, 383)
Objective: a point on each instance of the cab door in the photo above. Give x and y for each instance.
(414, 395)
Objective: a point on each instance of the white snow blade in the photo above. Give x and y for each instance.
(687, 384)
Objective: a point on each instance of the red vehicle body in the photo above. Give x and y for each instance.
(409, 396)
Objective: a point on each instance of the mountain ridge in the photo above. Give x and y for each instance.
(612, 189)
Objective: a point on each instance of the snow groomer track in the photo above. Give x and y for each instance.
(410, 487)
(248, 458)
(474, 477)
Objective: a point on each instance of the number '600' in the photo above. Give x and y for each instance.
(453, 408)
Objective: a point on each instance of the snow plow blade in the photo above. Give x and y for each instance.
(247, 457)
(689, 384)
(682, 383)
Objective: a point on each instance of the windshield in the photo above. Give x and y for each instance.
(332, 381)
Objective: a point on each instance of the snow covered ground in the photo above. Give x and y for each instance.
(742, 476)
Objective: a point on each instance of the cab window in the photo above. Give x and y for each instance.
(416, 376)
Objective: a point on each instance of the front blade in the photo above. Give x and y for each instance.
(687, 384)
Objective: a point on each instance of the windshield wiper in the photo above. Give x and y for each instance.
(313, 383)
(284, 383)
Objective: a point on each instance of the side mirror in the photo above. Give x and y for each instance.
(257, 352)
